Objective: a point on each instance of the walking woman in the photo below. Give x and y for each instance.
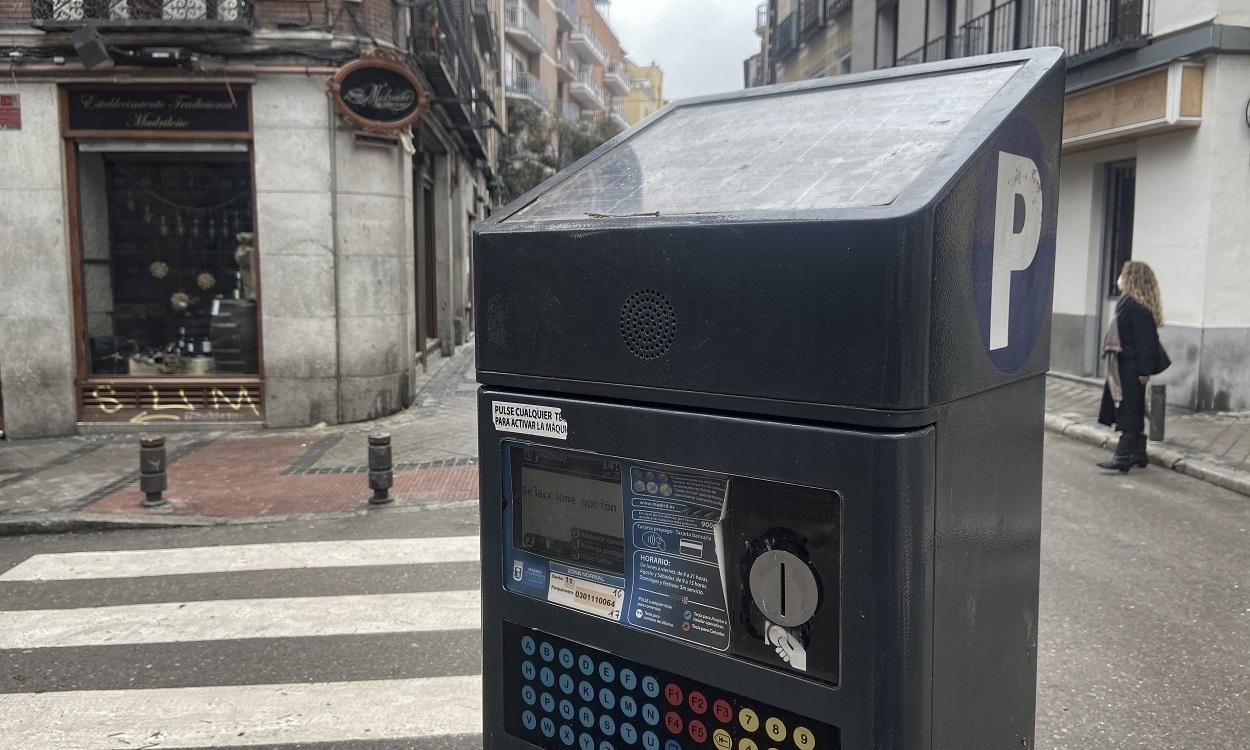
(1133, 353)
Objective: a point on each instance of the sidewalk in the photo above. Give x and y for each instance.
(268, 475)
(255, 475)
(1212, 446)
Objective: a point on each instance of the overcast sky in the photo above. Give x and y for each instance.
(700, 44)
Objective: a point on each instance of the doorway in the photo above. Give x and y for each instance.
(1117, 240)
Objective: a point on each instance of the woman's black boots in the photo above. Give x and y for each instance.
(1125, 454)
(1139, 451)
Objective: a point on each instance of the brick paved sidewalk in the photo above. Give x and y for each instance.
(217, 477)
(1213, 446)
(246, 475)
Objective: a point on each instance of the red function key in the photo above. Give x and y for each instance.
(698, 703)
(723, 712)
(673, 722)
(673, 694)
(698, 732)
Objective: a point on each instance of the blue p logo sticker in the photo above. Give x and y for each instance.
(1013, 251)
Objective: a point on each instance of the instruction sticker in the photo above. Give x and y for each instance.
(529, 419)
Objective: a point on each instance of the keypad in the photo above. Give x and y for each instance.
(566, 696)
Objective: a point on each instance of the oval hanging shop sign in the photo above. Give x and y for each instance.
(377, 93)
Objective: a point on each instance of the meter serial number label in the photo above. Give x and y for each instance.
(586, 596)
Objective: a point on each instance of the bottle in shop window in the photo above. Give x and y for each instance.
(182, 340)
(238, 285)
(206, 346)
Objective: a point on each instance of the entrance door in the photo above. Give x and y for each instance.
(1117, 240)
(431, 287)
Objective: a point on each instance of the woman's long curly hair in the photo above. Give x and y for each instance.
(1140, 284)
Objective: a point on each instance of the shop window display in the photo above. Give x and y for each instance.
(168, 264)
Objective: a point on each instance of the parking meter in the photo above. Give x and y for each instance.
(761, 421)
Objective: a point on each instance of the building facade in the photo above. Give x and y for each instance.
(199, 226)
(1154, 166)
(564, 57)
(646, 94)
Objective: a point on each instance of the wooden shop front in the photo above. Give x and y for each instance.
(163, 253)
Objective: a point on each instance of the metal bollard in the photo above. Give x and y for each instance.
(1158, 410)
(381, 477)
(152, 478)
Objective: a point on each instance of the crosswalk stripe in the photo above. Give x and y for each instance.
(240, 716)
(170, 622)
(241, 557)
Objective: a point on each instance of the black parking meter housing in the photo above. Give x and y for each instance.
(761, 420)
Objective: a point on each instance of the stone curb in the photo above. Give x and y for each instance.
(1161, 455)
(62, 523)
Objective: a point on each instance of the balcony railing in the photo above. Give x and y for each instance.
(809, 16)
(1086, 29)
(566, 14)
(934, 50)
(201, 15)
(835, 8)
(566, 62)
(525, 27)
(1089, 29)
(586, 90)
(786, 41)
(454, 76)
(616, 78)
(617, 112)
(525, 84)
(584, 42)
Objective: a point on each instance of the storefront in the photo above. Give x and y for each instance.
(163, 253)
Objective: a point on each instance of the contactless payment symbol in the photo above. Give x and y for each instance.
(1013, 256)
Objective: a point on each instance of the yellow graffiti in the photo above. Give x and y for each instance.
(143, 418)
(158, 406)
(106, 401)
(245, 398)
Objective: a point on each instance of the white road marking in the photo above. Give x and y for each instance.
(240, 557)
(173, 622)
(242, 715)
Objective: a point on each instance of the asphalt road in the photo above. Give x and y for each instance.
(1144, 633)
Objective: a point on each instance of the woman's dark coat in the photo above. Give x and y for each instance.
(1140, 354)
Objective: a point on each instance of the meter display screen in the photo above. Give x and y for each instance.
(573, 517)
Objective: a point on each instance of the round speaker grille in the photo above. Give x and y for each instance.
(648, 324)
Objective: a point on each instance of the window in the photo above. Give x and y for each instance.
(844, 64)
(168, 263)
(1118, 234)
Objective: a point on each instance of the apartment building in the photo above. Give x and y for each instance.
(236, 212)
(563, 56)
(1154, 166)
(646, 93)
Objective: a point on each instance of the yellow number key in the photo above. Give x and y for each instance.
(775, 728)
(748, 720)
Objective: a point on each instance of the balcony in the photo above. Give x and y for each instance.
(835, 8)
(809, 17)
(1091, 29)
(523, 27)
(585, 90)
(934, 50)
(144, 15)
(566, 14)
(616, 79)
(616, 112)
(455, 78)
(785, 43)
(586, 45)
(761, 20)
(526, 86)
(1086, 29)
(570, 112)
(566, 63)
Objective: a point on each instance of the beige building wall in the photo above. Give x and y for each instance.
(646, 93)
